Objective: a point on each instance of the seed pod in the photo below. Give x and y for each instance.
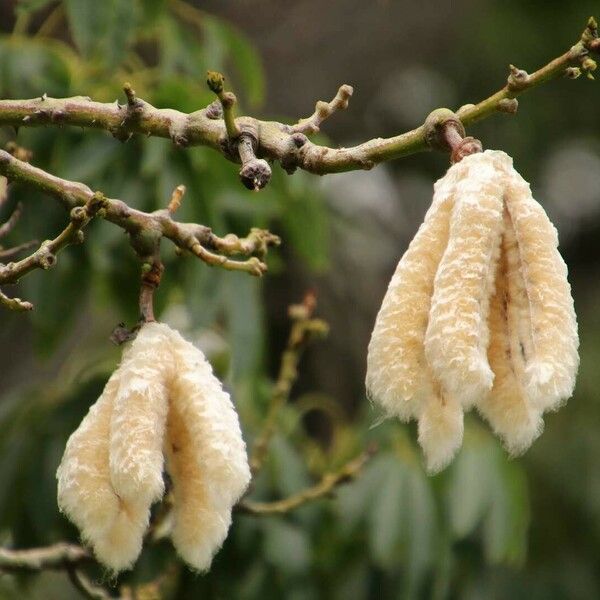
(114, 528)
(139, 415)
(553, 366)
(398, 376)
(455, 330)
(206, 456)
(111, 471)
(507, 407)
(457, 335)
(440, 429)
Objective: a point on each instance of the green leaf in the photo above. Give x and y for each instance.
(88, 22)
(505, 528)
(245, 323)
(102, 30)
(306, 222)
(387, 519)
(421, 527)
(469, 491)
(286, 546)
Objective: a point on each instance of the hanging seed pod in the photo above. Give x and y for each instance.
(139, 415)
(479, 313)
(552, 366)
(398, 376)
(112, 527)
(162, 395)
(457, 334)
(206, 454)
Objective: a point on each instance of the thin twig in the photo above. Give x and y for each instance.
(82, 583)
(323, 110)
(278, 141)
(304, 329)
(325, 487)
(57, 556)
(192, 237)
(45, 256)
(10, 253)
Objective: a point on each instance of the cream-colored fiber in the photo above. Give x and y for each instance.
(163, 395)
(398, 376)
(507, 407)
(440, 429)
(112, 527)
(479, 312)
(139, 415)
(209, 469)
(457, 334)
(553, 367)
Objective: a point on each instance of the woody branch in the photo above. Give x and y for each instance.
(145, 229)
(249, 141)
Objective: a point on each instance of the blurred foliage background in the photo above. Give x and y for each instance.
(487, 527)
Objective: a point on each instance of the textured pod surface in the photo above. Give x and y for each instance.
(507, 407)
(139, 415)
(114, 528)
(398, 376)
(440, 429)
(207, 457)
(552, 368)
(457, 335)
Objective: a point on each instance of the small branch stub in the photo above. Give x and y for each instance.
(445, 131)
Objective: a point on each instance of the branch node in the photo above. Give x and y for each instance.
(323, 110)
(255, 172)
(508, 105)
(518, 79)
(176, 197)
(216, 83)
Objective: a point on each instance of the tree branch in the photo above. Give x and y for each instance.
(277, 141)
(325, 487)
(304, 329)
(58, 556)
(144, 229)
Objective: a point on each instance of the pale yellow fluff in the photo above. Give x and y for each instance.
(114, 528)
(552, 369)
(139, 415)
(445, 338)
(457, 334)
(440, 429)
(398, 376)
(206, 454)
(507, 407)
(112, 469)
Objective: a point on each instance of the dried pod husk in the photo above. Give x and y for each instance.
(507, 407)
(398, 376)
(114, 528)
(206, 456)
(139, 415)
(552, 367)
(457, 335)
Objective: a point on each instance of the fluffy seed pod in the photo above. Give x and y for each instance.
(398, 376)
(457, 333)
(552, 366)
(206, 456)
(139, 415)
(507, 407)
(112, 469)
(112, 527)
(479, 312)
